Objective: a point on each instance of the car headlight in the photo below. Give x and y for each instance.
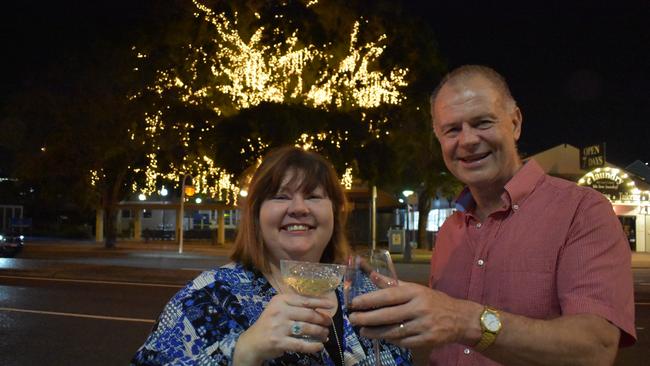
(2, 238)
(22, 237)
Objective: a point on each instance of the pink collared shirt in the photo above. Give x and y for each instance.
(553, 249)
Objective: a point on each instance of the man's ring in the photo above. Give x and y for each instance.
(296, 329)
(401, 329)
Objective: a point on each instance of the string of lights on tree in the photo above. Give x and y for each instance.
(230, 74)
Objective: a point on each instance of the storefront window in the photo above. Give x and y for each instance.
(629, 228)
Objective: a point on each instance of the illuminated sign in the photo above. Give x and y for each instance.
(614, 184)
(592, 156)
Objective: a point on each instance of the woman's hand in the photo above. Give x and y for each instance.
(271, 335)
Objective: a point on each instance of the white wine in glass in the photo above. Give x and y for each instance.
(311, 279)
(367, 271)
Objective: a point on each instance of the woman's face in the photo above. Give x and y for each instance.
(296, 225)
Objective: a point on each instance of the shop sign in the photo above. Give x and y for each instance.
(592, 156)
(612, 183)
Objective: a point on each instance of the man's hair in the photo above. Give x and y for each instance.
(468, 71)
(310, 170)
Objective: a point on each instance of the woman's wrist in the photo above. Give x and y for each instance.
(243, 355)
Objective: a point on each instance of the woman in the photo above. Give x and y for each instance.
(242, 313)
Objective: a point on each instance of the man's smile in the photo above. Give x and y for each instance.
(473, 158)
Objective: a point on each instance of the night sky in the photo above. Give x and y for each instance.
(578, 69)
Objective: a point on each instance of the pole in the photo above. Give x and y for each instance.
(407, 245)
(182, 215)
(373, 226)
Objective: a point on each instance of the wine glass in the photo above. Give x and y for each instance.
(311, 279)
(368, 271)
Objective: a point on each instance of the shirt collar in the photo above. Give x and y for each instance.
(517, 189)
(523, 183)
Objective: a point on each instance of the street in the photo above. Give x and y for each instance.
(74, 309)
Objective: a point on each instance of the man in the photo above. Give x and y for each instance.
(531, 270)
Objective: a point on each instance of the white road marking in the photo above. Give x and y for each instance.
(76, 315)
(92, 281)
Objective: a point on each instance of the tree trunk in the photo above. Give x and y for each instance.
(109, 225)
(424, 206)
(111, 198)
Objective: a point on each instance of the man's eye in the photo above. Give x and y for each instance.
(452, 131)
(484, 124)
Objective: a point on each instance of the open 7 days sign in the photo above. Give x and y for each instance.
(592, 156)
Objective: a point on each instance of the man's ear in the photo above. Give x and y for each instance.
(517, 119)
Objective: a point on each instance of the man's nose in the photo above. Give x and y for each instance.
(298, 206)
(468, 137)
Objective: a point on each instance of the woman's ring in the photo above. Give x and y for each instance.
(296, 329)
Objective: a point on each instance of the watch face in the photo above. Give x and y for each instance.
(491, 322)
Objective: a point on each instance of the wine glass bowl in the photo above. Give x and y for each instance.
(375, 266)
(368, 271)
(311, 279)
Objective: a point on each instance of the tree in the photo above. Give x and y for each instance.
(251, 71)
(244, 58)
(77, 147)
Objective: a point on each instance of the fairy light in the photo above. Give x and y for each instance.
(347, 178)
(237, 74)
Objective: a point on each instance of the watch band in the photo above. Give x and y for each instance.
(488, 336)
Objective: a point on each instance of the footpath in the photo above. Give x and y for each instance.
(194, 249)
(151, 262)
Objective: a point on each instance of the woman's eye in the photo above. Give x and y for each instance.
(280, 197)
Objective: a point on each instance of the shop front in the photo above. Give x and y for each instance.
(630, 198)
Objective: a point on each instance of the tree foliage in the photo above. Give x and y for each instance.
(206, 87)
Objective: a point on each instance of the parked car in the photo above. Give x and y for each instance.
(11, 244)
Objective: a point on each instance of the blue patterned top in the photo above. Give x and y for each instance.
(201, 324)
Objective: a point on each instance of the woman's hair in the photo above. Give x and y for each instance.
(311, 170)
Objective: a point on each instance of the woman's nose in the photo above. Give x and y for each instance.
(298, 206)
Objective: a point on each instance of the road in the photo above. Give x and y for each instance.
(97, 310)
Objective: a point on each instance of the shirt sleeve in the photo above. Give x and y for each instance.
(594, 274)
(192, 329)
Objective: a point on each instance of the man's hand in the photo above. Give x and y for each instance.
(411, 315)
(432, 319)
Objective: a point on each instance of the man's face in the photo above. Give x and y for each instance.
(477, 131)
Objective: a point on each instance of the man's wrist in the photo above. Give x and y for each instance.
(470, 328)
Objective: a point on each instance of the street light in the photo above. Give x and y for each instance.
(163, 192)
(189, 191)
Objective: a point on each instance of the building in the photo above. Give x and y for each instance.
(627, 189)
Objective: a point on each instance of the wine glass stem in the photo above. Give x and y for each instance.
(375, 343)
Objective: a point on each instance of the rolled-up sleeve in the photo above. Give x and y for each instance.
(594, 273)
